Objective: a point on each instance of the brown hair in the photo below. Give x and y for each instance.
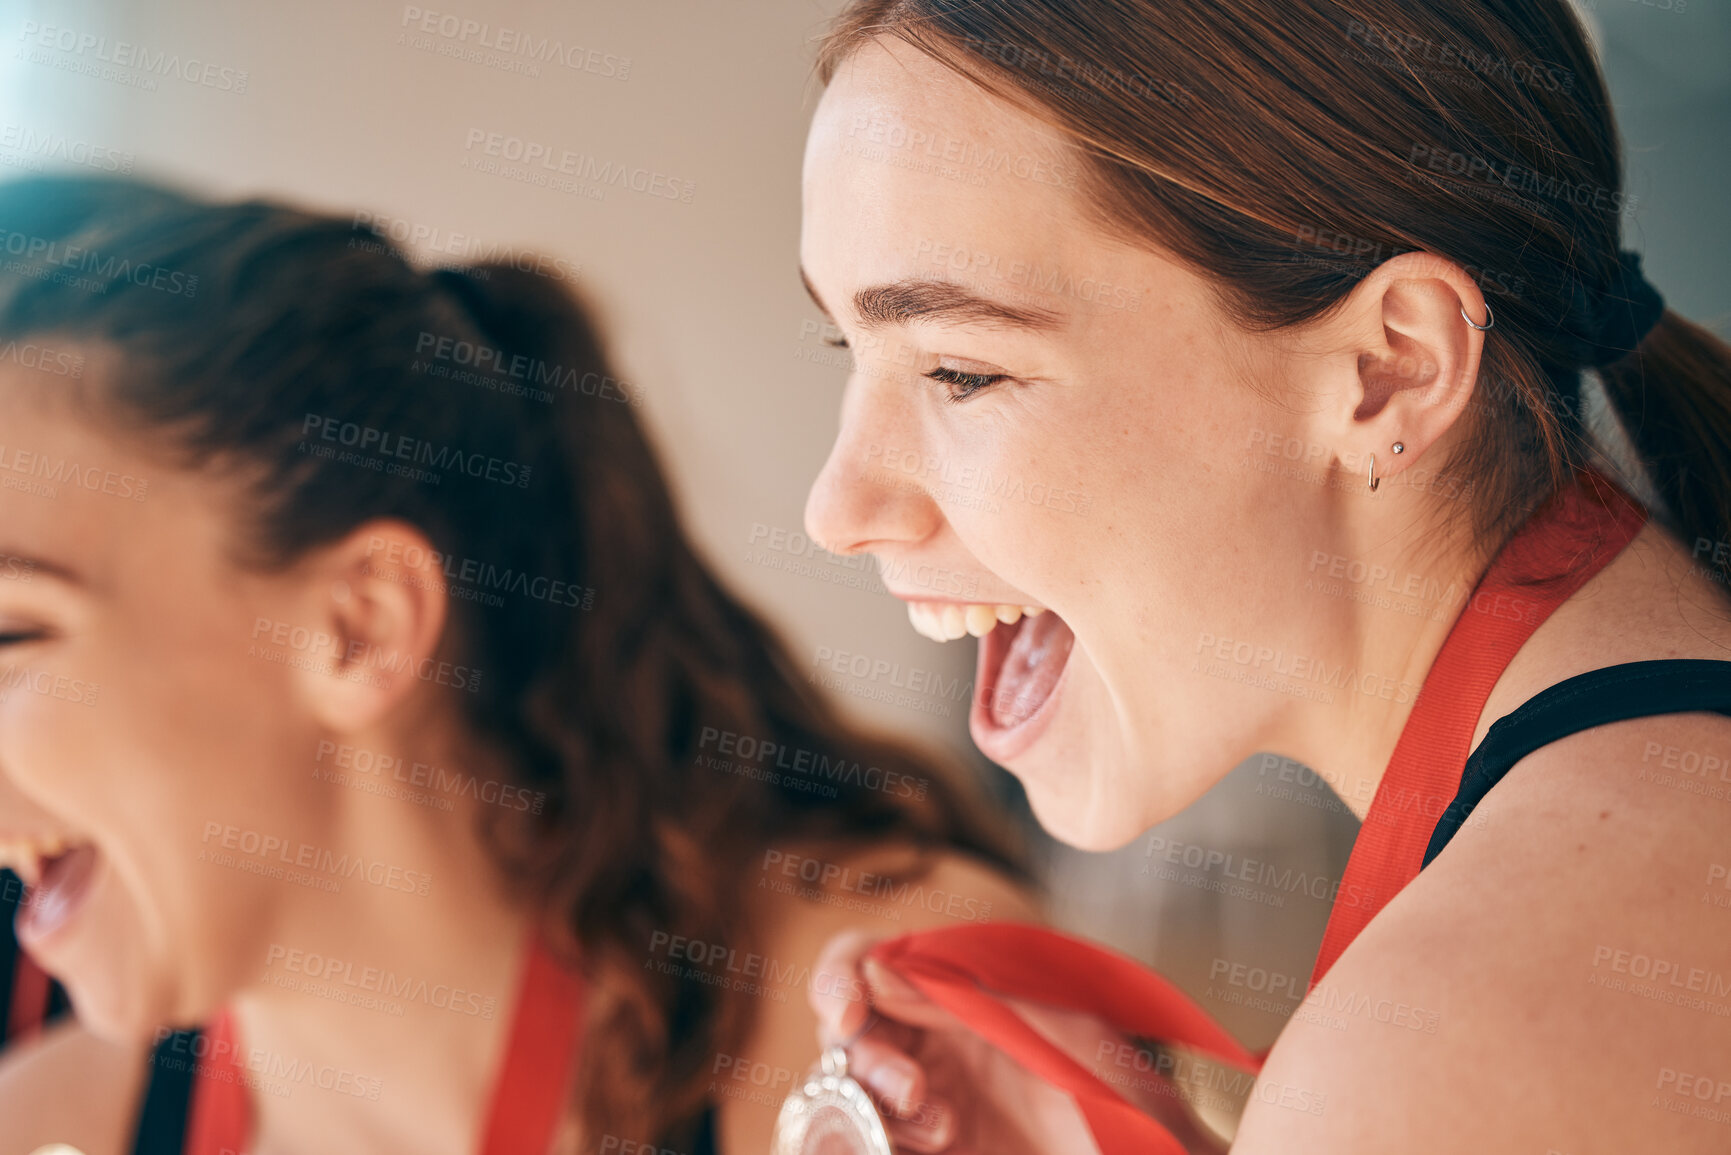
(238, 321)
(1284, 147)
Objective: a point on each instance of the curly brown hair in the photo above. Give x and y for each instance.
(612, 711)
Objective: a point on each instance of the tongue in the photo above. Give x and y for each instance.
(56, 897)
(1031, 668)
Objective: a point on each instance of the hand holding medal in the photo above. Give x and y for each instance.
(952, 1060)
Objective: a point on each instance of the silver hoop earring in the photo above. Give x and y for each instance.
(1374, 479)
(1490, 319)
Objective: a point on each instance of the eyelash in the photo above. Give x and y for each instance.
(968, 383)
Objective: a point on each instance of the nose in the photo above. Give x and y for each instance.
(871, 492)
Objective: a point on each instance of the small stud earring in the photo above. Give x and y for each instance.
(1399, 447)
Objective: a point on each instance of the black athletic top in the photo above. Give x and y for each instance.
(1596, 698)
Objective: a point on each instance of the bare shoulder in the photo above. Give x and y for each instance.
(1558, 980)
(70, 1086)
(805, 897)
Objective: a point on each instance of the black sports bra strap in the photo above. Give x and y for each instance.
(167, 1109)
(1598, 697)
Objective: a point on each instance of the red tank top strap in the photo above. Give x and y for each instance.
(1554, 554)
(529, 1093)
(221, 1119)
(31, 991)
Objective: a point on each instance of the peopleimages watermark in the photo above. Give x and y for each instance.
(1717, 873)
(795, 767)
(921, 690)
(317, 867)
(1660, 979)
(1198, 1079)
(1515, 178)
(90, 268)
(1264, 882)
(39, 146)
(972, 484)
(394, 449)
(42, 358)
(858, 571)
(1705, 773)
(122, 61)
(512, 44)
(528, 372)
(421, 781)
(1361, 254)
(1297, 674)
(362, 657)
(1689, 1093)
(257, 1068)
(1380, 586)
(376, 981)
(889, 141)
(838, 884)
(1718, 554)
(1083, 79)
(1410, 51)
(1259, 988)
(470, 578)
(60, 687)
(42, 476)
(435, 240)
(727, 967)
(563, 170)
(1020, 274)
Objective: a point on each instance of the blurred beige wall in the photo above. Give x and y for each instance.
(377, 106)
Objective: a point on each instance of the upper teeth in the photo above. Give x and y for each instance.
(947, 621)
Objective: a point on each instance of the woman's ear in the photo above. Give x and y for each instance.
(1407, 361)
(378, 599)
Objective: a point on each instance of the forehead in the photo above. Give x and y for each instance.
(913, 170)
(74, 493)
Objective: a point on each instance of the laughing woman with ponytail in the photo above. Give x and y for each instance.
(396, 767)
(1295, 292)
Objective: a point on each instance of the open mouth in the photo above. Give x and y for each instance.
(1024, 652)
(58, 873)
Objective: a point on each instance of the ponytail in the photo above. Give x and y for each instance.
(613, 654)
(1672, 396)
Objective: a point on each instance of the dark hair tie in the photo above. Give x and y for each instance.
(1608, 326)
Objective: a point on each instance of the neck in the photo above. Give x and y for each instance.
(1392, 596)
(381, 1012)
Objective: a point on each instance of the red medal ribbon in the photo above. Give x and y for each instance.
(528, 1097)
(966, 969)
(1571, 538)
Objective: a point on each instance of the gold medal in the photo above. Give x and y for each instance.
(830, 1114)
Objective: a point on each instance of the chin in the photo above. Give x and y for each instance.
(1087, 819)
(118, 991)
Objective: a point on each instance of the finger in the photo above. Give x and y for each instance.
(888, 1072)
(837, 992)
(930, 1129)
(896, 998)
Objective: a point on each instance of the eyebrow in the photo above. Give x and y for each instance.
(922, 299)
